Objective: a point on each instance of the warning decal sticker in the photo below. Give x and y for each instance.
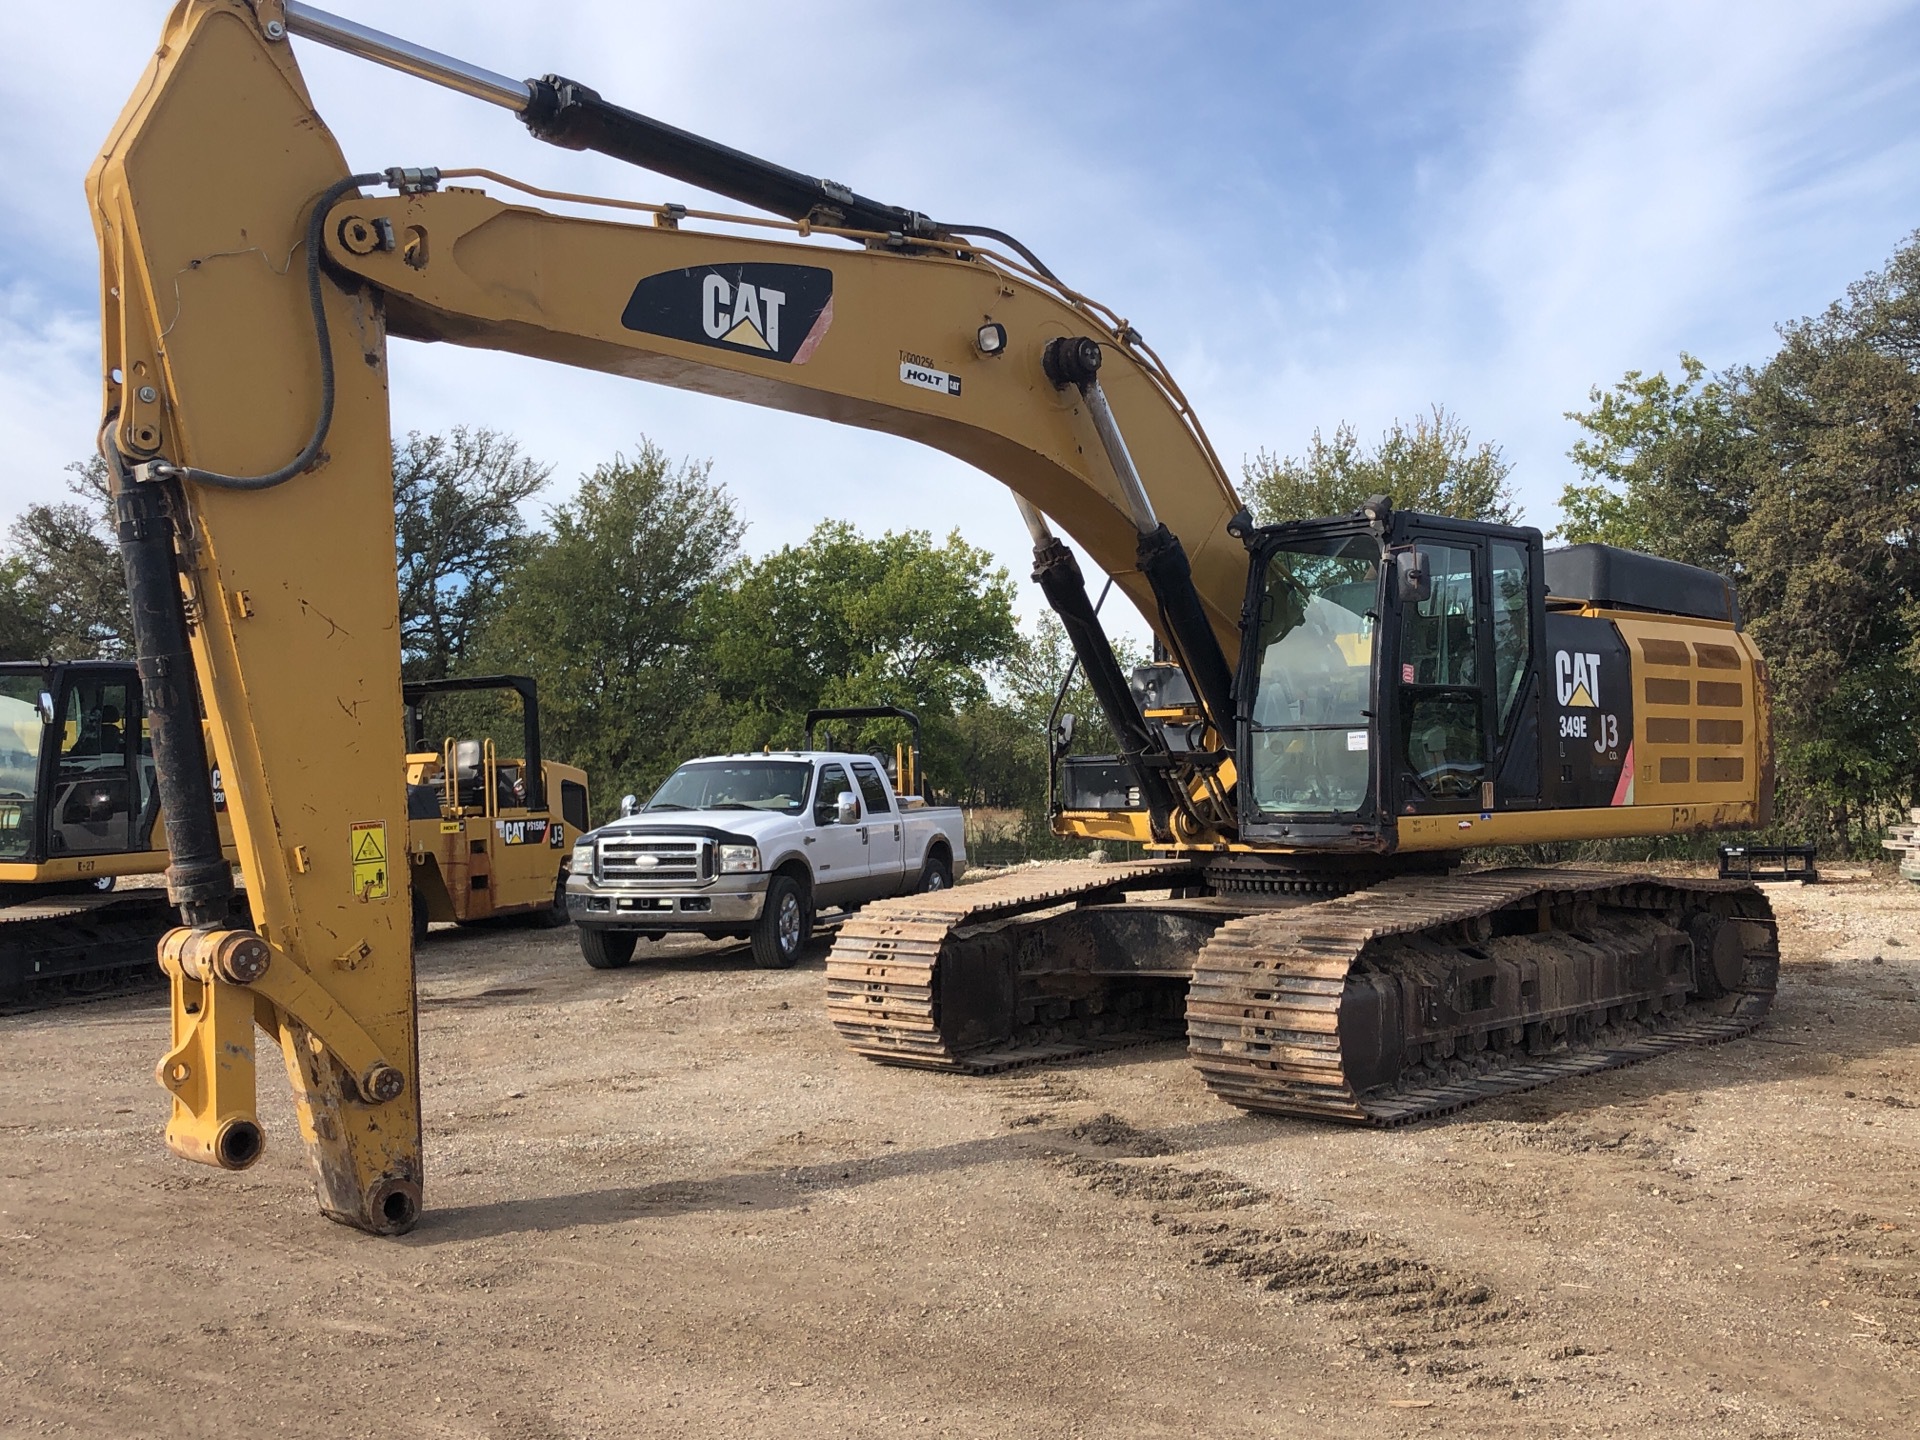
(368, 846)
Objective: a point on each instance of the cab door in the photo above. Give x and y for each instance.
(1465, 694)
(101, 785)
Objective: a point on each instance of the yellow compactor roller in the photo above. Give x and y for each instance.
(1349, 706)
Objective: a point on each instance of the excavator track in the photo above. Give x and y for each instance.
(931, 981)
(1394, 1003)
(67, 949)
(1363, 1009)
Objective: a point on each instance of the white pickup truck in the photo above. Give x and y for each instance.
(753, 847)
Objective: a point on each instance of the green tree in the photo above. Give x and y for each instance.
(848, 619)
(1663, 467)
(65, 591)
(459, 533)
(1799, 478)
(601, 611)
(1432, 465)
(1829, 552)
(23, 619)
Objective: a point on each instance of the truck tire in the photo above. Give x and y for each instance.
(784, 926)
(555, 915)
(607, 949)
(936, 874)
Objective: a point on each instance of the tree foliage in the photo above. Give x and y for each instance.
(1800, 478)
(1432, 465)
(600, 610)
(1829, 554)
(846, 619)
(459, 534)
(63, 592)
(1663, 467)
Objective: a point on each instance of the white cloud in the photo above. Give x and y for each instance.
(49, 394)
(1312, 218)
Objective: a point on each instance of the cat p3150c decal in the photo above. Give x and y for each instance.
(779, 312)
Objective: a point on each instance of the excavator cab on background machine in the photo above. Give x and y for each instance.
(488, 837)
(1348, 705)
(79, 811)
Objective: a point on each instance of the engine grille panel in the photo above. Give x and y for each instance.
(654, 859)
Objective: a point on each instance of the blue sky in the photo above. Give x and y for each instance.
(1314, 213)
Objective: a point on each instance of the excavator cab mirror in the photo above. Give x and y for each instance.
(1063, 733)
(629, 805)
(46, 708)
(1415, 578)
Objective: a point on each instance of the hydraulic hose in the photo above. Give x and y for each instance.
(316, 297)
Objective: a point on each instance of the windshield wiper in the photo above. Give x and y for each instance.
(669, 805)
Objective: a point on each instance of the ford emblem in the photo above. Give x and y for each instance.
(646, 862)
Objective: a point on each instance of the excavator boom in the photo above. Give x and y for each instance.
(249, 285)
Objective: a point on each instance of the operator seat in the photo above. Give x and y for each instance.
(469, 784)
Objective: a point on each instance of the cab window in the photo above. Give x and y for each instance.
(873, 788)
(1443, 740)
(833, 784)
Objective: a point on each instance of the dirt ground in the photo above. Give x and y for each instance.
(665, 1201)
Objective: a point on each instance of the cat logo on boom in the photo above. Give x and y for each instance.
(1576, 679)
(778, 312)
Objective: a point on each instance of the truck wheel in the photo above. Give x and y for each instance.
(555, 915)
(784, 926)
(936, 874)
(419, 917)
(607, 949)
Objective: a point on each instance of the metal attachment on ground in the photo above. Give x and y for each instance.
(1768, 862)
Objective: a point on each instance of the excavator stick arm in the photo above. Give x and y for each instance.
(248, 288)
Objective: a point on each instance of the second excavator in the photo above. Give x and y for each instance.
(1347, 706)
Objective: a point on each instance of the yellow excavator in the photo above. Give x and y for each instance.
(1347, 705)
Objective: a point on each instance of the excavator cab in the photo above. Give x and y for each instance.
(77, 795)
(1389, 669)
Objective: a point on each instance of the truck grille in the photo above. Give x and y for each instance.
(662, 859)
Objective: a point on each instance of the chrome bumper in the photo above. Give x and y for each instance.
(588, 904)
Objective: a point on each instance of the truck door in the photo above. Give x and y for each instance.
(884, 832)
(838, 854)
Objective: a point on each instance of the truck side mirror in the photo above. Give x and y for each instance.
(1414, 574)
(629, 804)
(846, 809)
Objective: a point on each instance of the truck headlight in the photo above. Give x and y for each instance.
(583, 859)
(739, 859)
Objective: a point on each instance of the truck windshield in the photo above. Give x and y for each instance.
(736, 785)
(20, 735)
(1311, 732)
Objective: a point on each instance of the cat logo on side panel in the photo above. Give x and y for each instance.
(1576, 679)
